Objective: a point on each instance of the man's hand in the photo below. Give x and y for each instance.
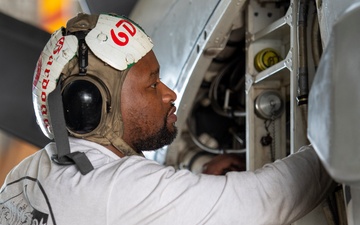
(221, 164)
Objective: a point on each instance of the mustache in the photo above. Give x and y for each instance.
(171, 110)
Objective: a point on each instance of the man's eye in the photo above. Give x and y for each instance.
(154, 85)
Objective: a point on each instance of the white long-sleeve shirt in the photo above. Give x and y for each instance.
(136, 190)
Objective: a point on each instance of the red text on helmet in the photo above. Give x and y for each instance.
(45, 81)
(38, 71)
(59, 45)
(122, 38)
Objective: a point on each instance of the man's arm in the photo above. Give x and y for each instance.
(278, 193)
(284, 191)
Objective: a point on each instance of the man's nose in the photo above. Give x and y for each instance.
(168, 95)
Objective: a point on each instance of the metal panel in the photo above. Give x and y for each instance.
(175, 35)
(328, 13)
(335, 95)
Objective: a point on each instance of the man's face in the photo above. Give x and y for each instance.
(146, 107)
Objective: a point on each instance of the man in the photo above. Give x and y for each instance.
(101, 72)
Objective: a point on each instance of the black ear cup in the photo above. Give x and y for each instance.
(82, 101)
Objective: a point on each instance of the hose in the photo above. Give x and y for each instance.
(316, 41)
(212, 150)
(214, 87)
(303, 83)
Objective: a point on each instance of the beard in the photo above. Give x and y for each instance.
(162, 137)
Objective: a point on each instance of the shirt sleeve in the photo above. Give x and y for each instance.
(279, 193)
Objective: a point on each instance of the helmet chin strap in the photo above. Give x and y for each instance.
(82, 52)
(64, 156)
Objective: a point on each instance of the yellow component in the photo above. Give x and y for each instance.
(265, 59)
(54, 13)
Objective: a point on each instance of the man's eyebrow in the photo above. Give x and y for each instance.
(155, 73)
